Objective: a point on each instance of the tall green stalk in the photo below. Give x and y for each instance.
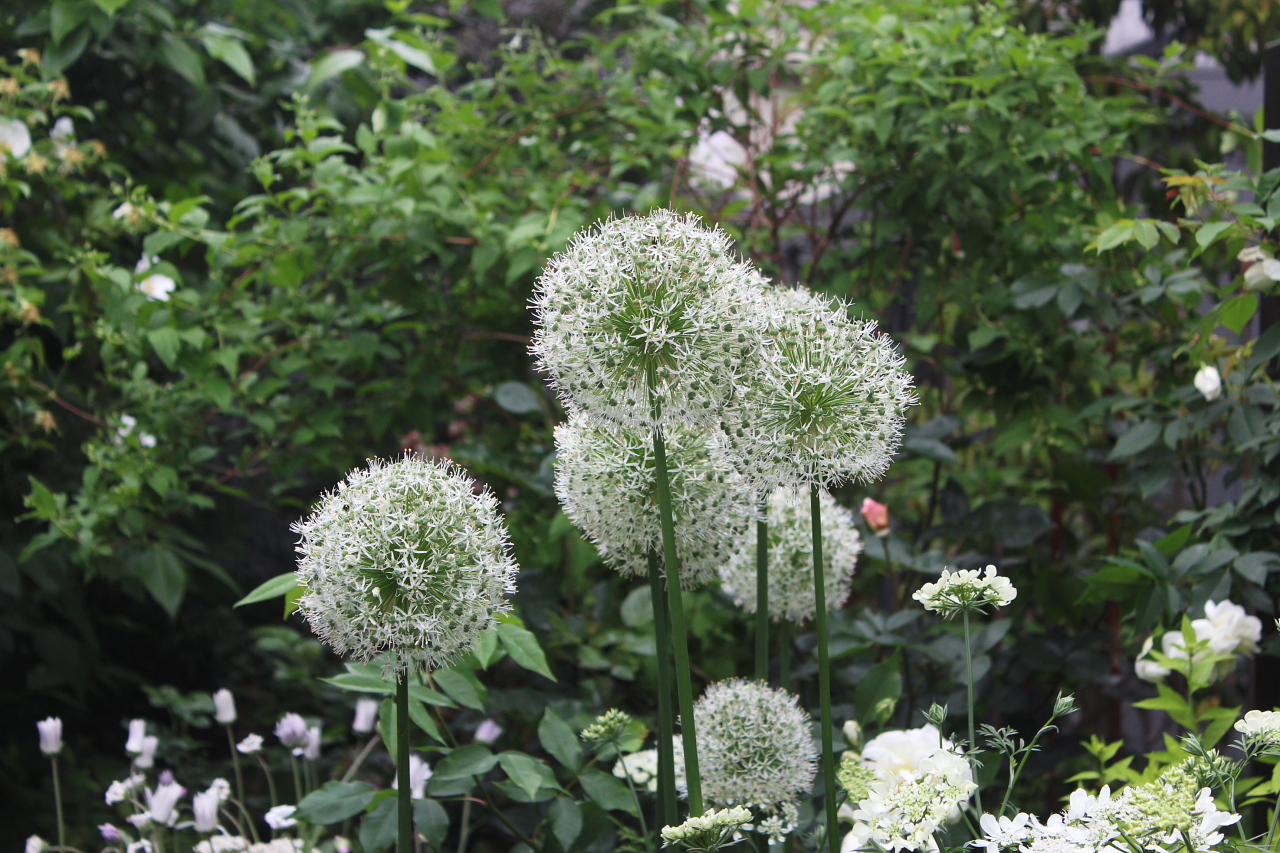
(762, 591)
(404, 795)
(824, 673)
(679, 636)
(973, 739)
(57, 802)
(667, 813)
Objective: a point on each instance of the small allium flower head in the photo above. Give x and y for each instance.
(825, 403)
(50, 730)
(966, 590)
(709, 831)
(606, 481)
(224, 707)
(754, 746)
(1209, 382)
(251, 744)
(292, 731)
(366, 716)
(791, 557)
(644, 311)
(404, 559)
(609, 726)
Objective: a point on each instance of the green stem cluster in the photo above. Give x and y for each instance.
(404, 795)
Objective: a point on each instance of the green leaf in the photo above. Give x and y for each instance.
(566, 821)
(178, 55)
(331, 65)
(432, 821)
(1237, 311)
(229, 50)
(486, 650)
(882, 682)
(110, 6)
(335, 802)
(560, 740)
(1170, 231)
(167, 343)
(1210, 232)
(378, 828)
(523, 647)
(637, 608)
(517, 398)
(274, 588)
(463, 690)
(465, 762)
(489, 8)
(608, 792)
(1137, 439)
(357, 683)
(931, 448)
(163, 576)
(1145, 231)
(1121, 232)
(388, 727)
(422, 718)
(527, 772)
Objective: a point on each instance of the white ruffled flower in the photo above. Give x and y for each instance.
(1261, 725)
(1209, 382)
(419, 774)
(709, 831)
(404, 559)
(754, 746)
(162, 803)
(825, 400)
(251, 744)
(646, 311)
(118, 792)
(281, 817)
(606, 482)
(967, 589)
(15, 138)
(1226, 629)
(791, 557)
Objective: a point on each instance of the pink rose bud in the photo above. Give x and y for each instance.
(876, 514)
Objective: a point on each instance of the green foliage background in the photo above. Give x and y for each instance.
(354, 199)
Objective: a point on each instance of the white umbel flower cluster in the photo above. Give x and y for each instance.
(966, 590)
(404, 559)
(754, 748)
(1161, 817)
(825, 403)
(606, 482)
(646, 311)
(709, 831)
(791, 557)
(1226, 628)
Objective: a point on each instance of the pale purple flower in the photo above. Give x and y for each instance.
(50, 735)
(292, 732)
(488, 732)
(109, 833)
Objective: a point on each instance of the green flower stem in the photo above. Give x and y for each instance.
(1017, 774)
(762, 592)
(667, 807)
(679, 636)
(644, 826)
(271, 782)
(1271, 831)
(464, 826)
(57, 802)
(297, 779)
(784, 654)
(404, 799)
(824, 673)
(235, 762)
(973, 737)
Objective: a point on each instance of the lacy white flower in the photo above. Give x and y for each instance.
(419, 774)
(966, 589)
(224, 707)
(251, 744)
(404, 559)
(222, 788)
(606, 482)
(754, 746)
(1226, 629)
(1209, 382)
(162, 803)
(791, 557)
(640, 767)
(904, 812)
(50, 731)
(1005, 832)
(291, 730)
(15, 138)
(137, 731)
(644, 312)
(709, 831)
(366, 716)
(118, 792)
(825, 401)
(1261, 730)
(281, 817)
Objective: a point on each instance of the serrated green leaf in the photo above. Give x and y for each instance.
(608, 792)
(1137, 439)
(335, 802)
(465, 762)
(527, 772)
(1209, 232)
(523, 647)
(560, 740)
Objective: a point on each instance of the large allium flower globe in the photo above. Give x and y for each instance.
(825, 401)
(791, 557)
(644, 311)
(754, 747)
(404, 559)
(606, 482)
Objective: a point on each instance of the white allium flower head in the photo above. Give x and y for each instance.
(606, 482)
(404, 559)
(791, 557)
(50, 731)
(754, 746)
(709, 831)
(224, 707)
(966, 589)
(825, 402)
(644, 311)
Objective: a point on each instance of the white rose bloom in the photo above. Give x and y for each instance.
(893, 752)
(14, 137)
(1209, 382)
(1229, 629)
(157, 287)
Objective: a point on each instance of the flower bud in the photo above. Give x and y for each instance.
(292, 731)
(853, 734)
(366, 716)
(50, 735)
(224, 705)
(488, 732)
(877, 515)
(311, 752)
(147, 757)
(109, 833)
(137, 731)
(205, 807)
(1209, 382)
(251, 744)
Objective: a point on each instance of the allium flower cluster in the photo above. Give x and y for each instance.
(791, 557)
(1225, 627)
(825, 403)
(609, 726)
(644, 312)
(754, 747)
(606, 481)
(405, 560)
(966, 590)
(707, 832)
